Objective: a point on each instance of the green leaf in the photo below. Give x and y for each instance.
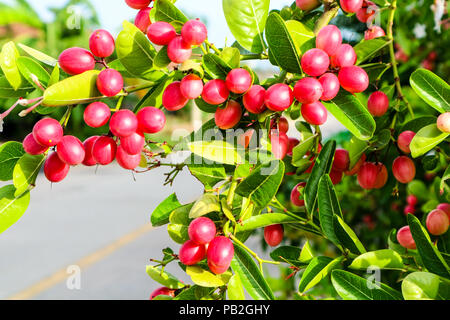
(432, 89)
(328, 207)
(7, 91)
(235, 289)
(426, 139)
(431, 257)
(164, 278)
(420, 286)
(346, 236)
(318, 269)
(135, 51)
(207, 279)
(32, 70)
(161, 214)
(216, 151)
(304, 38)
(154, 96)
(418, 123)
(209, 175)
(349, 111)
(193, 293)
(353, 287)
(40, 56)
(292, 255)
(179, 224)
(383, 259)
(10, 153)
(263, 183)
(302, 149)
(321, 168)
(206, 107)
(252, 279)
(283, 51)
(8, 64)
(215, 66)
(264, 220)
(26, 171)
(161, 60)
(356, 149)
(247, 20)
(206, 204)
(12, 207)
(444, 179)
(165, 11)
(231, 56)
(369, 49)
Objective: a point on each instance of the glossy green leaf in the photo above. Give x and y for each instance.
(32, 71)
(231, 56)
(215, 66)
(206, 204)
(432, 89)
(383, 259)
(235, 289)
(8, 64)
(249, 273)
(420, 286)
(153, 97)
(206, 107)
(349, 111)
(161, 60)
(299, 152)
(12, 207)
(179, 222)
(418, 123)
(356, 149)
(303, 37)
(265, 220)
(164, 10)
(10, 153)
(328, 207)
(26, 171)
(209, 175)
(161, 214)
(318, 269)
(426, 139)
(40, 56)
(193, 293)
(216, 151)
(7, 91)
(346, 236)
(164, 278)
(247, 20)
(369, 49)
(289, 254)
(207, 279)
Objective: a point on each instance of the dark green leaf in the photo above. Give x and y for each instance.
(328, 208)
(432, 89)
(369, 49)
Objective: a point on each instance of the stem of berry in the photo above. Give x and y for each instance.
(212, 46)
(254, 56)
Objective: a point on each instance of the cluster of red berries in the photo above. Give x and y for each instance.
(203, 243)
(437, 224)
(366, 12)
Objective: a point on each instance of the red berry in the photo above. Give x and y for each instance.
(345, 56)
(202, 231)
(229, 116)
(330, 85)
(357, 166)
(314, 113)
(410, 210)
(179, 51)
(367, 175)
(76, 61)
(133, 144)
(445, 207)
(151, 120)
(412, 200)
(367, 12)
(162, 292)
(296, 195)
(404, 169)
(274, 235)
(254, 99)
(353, 79)
(279, 97)
(123, 123)
(173, 99)
(97, 114)
(280, 145)
(55, 170)
(329, 39)
(239, 81)
(405, 238)
(336, 176)
(378, 104)
(351, 6)
(220, 253)
(88, 145)
(215, 92)
(104, 150)
(341, 160)
(437, 222)
(293, 142)
(315, 62)
(404, 141)
(308, 90)
(48, 132)
(161, 33)
(110, 82)
(282, 125)
(102, 43)
(71, 151)
(142, 20)
(138, 4)
(127, 161)
(307, 5)
(443, 122)
(32, 147)
(191, 86)
(374, 32)
(192, 253)
(194, 32)
(382, 176)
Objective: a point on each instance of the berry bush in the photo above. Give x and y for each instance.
(361, 215)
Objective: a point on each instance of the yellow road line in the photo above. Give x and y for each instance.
(84, 262)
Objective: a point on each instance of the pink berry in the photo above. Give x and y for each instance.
(32, 147)
(330, 85)
(138, 4)
(437, 222)
(345, 56)
(404, 141)
(102, 43)
(110, 82)
(254, 99)
(404, 169)
(104, 150)
(307, 5)
(405, 238)
(220, 253)
(341, 160)
(161, 33)
(191, 86)
(274, 235)
(48, 132)
(445, 207)
(409, 209)
(315, 62)
(443, 122)
(229, 116)
(279, 97)
(412, 200)
(367, 12)
(202, 230)
(164, 291)
(215, 92)
(142, 20)
(133, 144)
(329, 39)
(123, 123)
(374, 32)
(351, 6)
(179, 51)
(282, 125)
(88, 145)
(194, 32)
(296, 195)
(367, 175)
(127, 161)
(239, 81)
(54, 169)
(308, 90)
(353, 79)
(192, 253)
(378, 104)
(314, 113)
(76, 61)
(173, 99)
(280, 145)
(151, 120)
(97, 114)
(71, 151)
(382, 176)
